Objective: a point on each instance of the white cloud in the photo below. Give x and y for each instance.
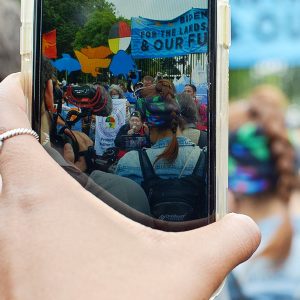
(156, 9)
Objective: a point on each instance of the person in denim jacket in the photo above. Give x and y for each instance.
(172, 155)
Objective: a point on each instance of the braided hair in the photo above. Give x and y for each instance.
(161, 110)
(270, 123)
(281, 149)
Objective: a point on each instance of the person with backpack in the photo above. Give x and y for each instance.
(188, 110)
(173, 171)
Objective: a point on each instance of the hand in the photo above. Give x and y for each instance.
(84, 142)
(60, 242)
(130, 132)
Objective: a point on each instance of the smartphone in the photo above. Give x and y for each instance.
(89, 68)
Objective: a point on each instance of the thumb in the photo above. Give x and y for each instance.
(236, 237)
(222, 246)
(69, 153)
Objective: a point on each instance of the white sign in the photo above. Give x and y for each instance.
(108, 127)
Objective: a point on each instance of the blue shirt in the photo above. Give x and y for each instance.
(259, 279)
(188, 155)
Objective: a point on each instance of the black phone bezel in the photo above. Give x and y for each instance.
(113, 202)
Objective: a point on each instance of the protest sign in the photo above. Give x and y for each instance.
(186, 34)
(108, 127)
(264, 30)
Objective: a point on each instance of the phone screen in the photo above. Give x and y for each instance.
(129, 85)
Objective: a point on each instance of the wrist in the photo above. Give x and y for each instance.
(19, 149)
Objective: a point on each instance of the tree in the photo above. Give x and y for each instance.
(96, 29)
(68, 17)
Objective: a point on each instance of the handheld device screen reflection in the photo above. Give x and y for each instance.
(127, 86)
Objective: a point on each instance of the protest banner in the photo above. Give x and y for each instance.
(108, 127)
(264, 30)
(186, 34)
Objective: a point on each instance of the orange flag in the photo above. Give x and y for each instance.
(49, 44)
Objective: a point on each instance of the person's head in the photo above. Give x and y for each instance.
(122, 85)
(190, 89)
(47, 95)
(261, 165)
(259, 142)
(188, 108)
(116, 92)
(268, 95)
(135, 121)
(162, 115)
(148, 81)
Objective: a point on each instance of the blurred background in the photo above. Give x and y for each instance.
(265, 46)
(9, 37)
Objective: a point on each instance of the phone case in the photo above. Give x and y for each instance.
(222, 78)
(26, 50)
(223, 39)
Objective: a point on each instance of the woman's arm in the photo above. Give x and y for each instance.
(58, 241)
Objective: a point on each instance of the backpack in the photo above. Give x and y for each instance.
(202, 142)
(176, 199)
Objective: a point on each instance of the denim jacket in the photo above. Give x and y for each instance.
(129, 165)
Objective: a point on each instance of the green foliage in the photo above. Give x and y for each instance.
(95, 31)
(69, 17)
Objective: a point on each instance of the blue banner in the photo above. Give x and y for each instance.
(183, 35)
(265, 30)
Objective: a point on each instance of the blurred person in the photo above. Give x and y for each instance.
(191, 90)
(269, 95)
(292, 120)
(10, 60)
(68, 238)
(63, 82)
(134, 128)
(128, 95)
(116, 92)
(188, 110)
(262, 179)
(147, 81)
(203, 118)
